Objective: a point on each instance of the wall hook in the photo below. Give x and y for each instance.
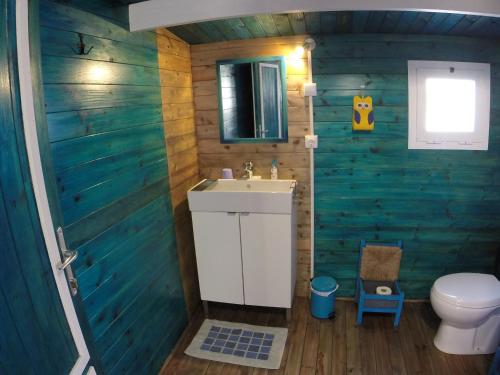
(81, 46)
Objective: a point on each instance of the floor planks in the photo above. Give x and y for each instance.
(336, 346)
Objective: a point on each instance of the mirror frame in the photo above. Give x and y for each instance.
(284, 104)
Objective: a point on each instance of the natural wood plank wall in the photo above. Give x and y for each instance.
(293, 158)
(182, 152)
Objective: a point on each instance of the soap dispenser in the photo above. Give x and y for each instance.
(274, 170)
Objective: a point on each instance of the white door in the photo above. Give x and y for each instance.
(218, 256)
(268, 257)
(49, 233)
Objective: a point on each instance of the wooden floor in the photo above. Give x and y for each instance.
(337, 346)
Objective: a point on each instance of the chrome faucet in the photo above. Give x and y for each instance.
(248, 168)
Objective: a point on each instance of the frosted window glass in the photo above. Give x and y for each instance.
(450, 105)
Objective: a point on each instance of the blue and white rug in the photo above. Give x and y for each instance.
(238, 343)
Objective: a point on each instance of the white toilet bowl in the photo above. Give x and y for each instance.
(469, 306)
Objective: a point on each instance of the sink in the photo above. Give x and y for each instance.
(257, 185)
(264, 196)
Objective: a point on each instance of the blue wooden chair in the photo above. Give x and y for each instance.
(379, 267)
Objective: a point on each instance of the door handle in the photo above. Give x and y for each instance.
(69, 256)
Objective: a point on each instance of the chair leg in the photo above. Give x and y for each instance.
(359, 318)
(397, 319)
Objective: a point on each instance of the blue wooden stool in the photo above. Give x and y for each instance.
(379, 267)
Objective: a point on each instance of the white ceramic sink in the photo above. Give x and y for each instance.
(264, 196)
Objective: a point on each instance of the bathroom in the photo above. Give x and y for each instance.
(111, 119)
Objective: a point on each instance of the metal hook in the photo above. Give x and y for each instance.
(81, 46)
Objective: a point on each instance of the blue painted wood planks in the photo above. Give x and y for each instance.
(105, 127)
(331, 23)
(443, 204)
(34, 334)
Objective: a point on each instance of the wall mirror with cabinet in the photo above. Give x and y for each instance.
(252, 100)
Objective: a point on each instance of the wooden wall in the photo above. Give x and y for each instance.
(293, 158)
(329, 23)
(444, 205)
(180, 137)
(105, 125)
(35, 336)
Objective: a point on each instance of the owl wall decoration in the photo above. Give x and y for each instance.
(362, 114)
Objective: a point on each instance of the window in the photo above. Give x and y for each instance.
(449, 105)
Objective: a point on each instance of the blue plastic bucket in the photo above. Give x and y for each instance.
(323, 296)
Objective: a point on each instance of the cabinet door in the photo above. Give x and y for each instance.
(218, 256)
(267, 253)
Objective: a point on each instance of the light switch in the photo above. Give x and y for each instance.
(310, 89)
(311, 141)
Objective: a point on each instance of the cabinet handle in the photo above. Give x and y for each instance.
(244, 213)
(231, 213)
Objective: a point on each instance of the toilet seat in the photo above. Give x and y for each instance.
(468, 290)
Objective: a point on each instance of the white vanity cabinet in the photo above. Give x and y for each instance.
(218, 256)
(246, 257)
(268, 257)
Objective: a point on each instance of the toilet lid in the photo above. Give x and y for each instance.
(474, 290)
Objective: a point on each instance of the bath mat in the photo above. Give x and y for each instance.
(239, 344)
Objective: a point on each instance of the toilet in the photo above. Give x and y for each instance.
(469, 306)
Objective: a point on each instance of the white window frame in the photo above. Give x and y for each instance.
(418, 138)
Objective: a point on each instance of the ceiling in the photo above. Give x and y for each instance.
(298, 23)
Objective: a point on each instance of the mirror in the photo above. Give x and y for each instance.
(252, 100)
